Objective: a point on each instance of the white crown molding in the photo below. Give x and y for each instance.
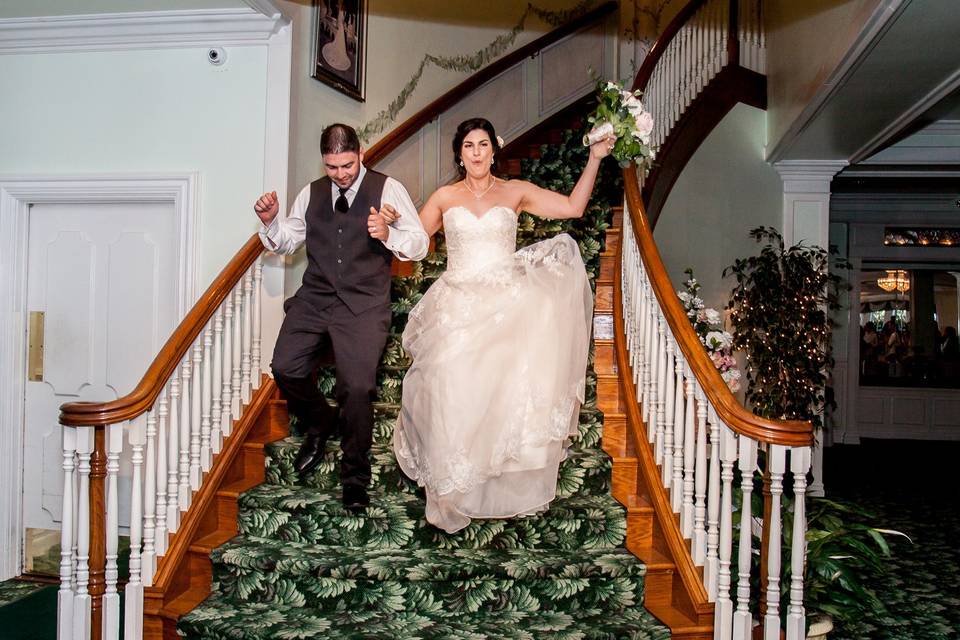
(265, 7)
(141, 30)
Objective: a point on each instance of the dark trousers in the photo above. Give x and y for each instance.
(302, 348)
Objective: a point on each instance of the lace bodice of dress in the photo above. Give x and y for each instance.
(476, 241)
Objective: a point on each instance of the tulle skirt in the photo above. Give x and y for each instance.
(494, 392)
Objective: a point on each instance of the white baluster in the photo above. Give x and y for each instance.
(255, 349)
(183, 481)
(661, 351)
(796, 616)
(711, 568)
(65, 596)
(247, 342)
(227, 393)
(163, 444)
(816, 476)
(133, 592)
(676, 492)
(150, 518)
(216, 411)
(700, 482)
(173, 457)
(111, 598)
(235, 397)
(81, 601)
(723, 611)
(207, 439)
(196, 391)
(643, 373)
(776, 462)
(651, 372)
(742, 620)
(689, 457)
(668, 414)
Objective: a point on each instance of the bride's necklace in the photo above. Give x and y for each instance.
(476, 195)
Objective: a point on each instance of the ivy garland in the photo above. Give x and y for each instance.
(468, 62)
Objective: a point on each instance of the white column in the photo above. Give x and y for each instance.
(806, 217)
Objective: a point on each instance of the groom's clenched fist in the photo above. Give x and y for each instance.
(267, 207)
(377, 222)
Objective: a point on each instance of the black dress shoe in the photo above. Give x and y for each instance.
(310, 454)
(355, 498)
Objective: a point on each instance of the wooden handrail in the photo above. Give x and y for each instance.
(432, 111)
(792, 433)
(145, 394)
(656, 51)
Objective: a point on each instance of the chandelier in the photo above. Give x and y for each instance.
(895, 280)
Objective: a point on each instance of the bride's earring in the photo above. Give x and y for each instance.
(461, 163)
(493, 161)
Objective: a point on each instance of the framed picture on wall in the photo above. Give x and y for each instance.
(340, 44)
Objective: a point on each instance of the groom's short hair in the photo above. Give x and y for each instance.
(339, 138)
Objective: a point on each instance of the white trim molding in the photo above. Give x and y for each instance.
(806, 199)
(139, 30)
(17, 194)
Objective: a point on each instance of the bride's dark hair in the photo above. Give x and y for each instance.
(466, 127)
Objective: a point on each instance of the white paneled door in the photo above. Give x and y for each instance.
(105, 278)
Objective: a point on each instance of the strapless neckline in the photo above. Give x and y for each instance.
(483, 215)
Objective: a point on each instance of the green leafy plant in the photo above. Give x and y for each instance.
(780, 316)
(843, 550)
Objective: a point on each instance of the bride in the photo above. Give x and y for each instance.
(499, 344)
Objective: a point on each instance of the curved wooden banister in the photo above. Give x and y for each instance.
(656, 51)
(143, 396)
(398, 136)
(793, 433)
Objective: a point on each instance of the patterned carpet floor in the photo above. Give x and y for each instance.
(921, 584)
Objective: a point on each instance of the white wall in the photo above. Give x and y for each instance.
(725, 190)
(145, 111)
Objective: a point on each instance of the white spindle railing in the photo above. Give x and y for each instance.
(694, 57)
(703, 451)
(171, 446)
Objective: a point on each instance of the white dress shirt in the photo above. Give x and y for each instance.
(406, 238)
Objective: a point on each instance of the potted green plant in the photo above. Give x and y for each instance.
(843, 550)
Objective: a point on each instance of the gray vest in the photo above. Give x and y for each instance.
(343, 261)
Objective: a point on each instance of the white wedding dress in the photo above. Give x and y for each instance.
(499, 345)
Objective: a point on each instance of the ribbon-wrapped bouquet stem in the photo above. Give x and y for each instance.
(621, 113)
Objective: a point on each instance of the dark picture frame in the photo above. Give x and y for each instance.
(339, 45)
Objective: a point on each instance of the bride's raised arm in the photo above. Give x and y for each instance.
(550, 204)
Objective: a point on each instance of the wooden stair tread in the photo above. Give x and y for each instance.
(211, 541)
(234, 488)
(184, 603)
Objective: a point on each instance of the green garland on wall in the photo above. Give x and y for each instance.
(468, 62)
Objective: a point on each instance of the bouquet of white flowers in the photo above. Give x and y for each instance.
(709, 327)
(621, 113)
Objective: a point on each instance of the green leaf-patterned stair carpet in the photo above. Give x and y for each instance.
(304, 567)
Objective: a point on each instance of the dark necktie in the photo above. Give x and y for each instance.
(341, 204)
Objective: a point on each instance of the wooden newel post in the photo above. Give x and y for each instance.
(98, 537)
(733, 34)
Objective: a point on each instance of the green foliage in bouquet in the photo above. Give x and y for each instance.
(632, 124)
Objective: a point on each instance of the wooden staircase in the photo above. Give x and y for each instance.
(667, 595)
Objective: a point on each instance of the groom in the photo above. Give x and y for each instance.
(353, 222)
